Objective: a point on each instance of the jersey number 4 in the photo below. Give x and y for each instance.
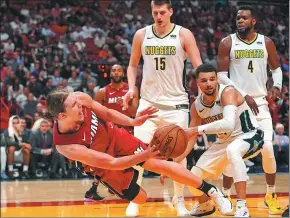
(160, 63)
(250, 67)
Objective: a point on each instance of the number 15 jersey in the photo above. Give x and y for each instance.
(248, 65)
(163, 69)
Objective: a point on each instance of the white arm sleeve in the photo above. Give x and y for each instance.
(224, 79)
(227, 124)
(277, 78)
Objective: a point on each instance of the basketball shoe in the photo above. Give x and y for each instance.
(178, 203)
(92, 195)
(203, 209)
(225, 206)
(272, 203)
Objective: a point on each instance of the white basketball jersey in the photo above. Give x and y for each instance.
(244, 121)
(248, 65)
(163, 69)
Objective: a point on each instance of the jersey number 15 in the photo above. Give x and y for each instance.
(160, 63)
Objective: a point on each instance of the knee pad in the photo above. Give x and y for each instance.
(199, 173)
(268, 150)
(237, 166)
(268, 158)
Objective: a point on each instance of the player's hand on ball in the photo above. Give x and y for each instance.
(252, 104)
(127, 97)
(144, 115)
(162, 179)
(152, 152)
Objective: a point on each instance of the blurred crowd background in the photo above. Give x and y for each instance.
(47, 44)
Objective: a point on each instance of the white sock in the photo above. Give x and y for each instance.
(25, 168)
(271, 189)
(226, 191)
(178, 187)
(241, 203)
(10, 168)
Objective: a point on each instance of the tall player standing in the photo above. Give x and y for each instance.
(245, 55)
(164, 47)
(111, 96)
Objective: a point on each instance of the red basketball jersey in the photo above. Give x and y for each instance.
(94, 133)
(115, 95)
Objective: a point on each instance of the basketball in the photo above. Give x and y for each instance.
(170, 140)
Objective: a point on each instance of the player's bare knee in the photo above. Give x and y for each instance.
(11, 149)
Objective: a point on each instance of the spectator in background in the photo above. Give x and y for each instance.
(34, 86)
(15, 90)
(91, 90)
(65, 85)
(30, 109)
(99, 40)
(44, 151)
(56, 78)
(87, 79)
(74, 81)
(282, 141)
(49, 86)
(18, 147)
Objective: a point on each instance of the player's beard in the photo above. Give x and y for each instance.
(117, 79)
(245, 32)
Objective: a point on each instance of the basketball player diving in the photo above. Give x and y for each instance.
(245, 55)
(164, 47)
(83, 132)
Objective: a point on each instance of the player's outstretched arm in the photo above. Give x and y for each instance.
(195, 121)
(102, 160)
(113, 115)
(133, 65)
(190, 47)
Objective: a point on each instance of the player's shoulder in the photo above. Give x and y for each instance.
(140, 32)
(184, 31)
(227, 40)
(103, 90)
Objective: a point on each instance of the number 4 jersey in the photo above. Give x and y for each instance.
(163, 69)
(248, 66)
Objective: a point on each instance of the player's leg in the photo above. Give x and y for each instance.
(180, 174)
(209, 166)
(268, 160)
(227, 181)
(134, 145)
(124, 185)
(180, 118)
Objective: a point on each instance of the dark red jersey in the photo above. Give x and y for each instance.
(115, 95)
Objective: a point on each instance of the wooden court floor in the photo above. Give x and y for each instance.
(64, 198)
